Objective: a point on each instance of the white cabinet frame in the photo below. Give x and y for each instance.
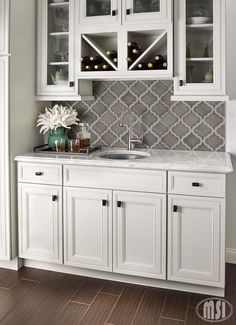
(200, 91)
(4, 27)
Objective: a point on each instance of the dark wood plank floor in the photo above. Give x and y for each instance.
(31, 296)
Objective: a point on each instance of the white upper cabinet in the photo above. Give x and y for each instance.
(196, 240)
(56, 52)
(200, 50)
(139, 240)
(100, 12)
(4, 27)
(137, 11)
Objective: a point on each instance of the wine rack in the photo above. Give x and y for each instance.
(99, 52)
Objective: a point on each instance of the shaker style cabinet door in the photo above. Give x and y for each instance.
(100, 12)
(196, 240)
(139, 235)
(4, 162)
(139, 11)
(200, 49)
(88, 228)
(4, 27)
(40, 222)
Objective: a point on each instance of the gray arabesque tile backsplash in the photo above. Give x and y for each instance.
(165, 124)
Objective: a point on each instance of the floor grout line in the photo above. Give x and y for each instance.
(164, 302)
(118, 298)
(186, 316)
(90, 305)
(175, 319)
(141, 300)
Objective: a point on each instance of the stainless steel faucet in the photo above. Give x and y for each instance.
(131, 140)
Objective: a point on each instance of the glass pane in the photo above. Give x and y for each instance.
(142, 6)
(98, 8)
(58, 43)
(199, 41)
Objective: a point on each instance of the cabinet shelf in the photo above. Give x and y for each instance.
(58, 63)
(59, 4)
(59, 34)
(200, 27)
(199, 59)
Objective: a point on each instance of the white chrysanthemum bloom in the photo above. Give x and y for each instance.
(58, 116)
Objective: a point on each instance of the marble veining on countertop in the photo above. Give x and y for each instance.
(198, 161)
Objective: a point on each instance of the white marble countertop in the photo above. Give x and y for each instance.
(196, 161)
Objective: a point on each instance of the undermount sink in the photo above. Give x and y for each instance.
(124, 155)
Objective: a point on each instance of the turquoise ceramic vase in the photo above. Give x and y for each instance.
(57, 136)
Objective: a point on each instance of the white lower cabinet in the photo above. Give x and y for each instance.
(88, 228)
(196, 240)
(139, 234)
(40, 222)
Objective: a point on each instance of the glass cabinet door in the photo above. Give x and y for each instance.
(149, 10)
(99, 11)
(201, 48)
(56, 31)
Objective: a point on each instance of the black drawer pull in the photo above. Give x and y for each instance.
(54, 198)
(175, 208)
(113, 13)
(128, 12)
(119, 204)
(71, 84)
(104, 203)
(38, 174)
(181, 83)
(196, 184)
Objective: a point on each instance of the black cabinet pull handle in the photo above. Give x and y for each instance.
(181, 83)
(196, 184)
(128, 12)
(72, 84)
(113, 13)
(104, 203)
(54, 198)
(119, 204)
(38, 174)
(175, 208)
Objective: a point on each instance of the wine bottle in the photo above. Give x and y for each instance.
(88, 67)
(106, 67)
(188, 51)
(150, 66)
(133, 45)
(134, 50)
(96, 60)
(115, 60)
(206, 51)
(111, 54)
(85, 60)
(141, 66)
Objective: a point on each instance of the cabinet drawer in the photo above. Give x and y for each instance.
(196, 184)
(115, 178)
(40, 173)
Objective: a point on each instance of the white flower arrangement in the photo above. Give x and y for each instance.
(57, 117)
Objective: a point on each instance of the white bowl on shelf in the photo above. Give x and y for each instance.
(199, 20)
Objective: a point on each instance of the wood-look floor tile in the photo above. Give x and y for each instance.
(165, 321)
(47, 299)
(150, 308)
(10, 299)
(71, 314)
(126, 307)
(195, 299)
(32, 274)
(113, 288)
(176, 305)
(9, 278)
(88, 291)
(99, 310)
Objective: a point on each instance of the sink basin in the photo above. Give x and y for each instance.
(124, 155)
